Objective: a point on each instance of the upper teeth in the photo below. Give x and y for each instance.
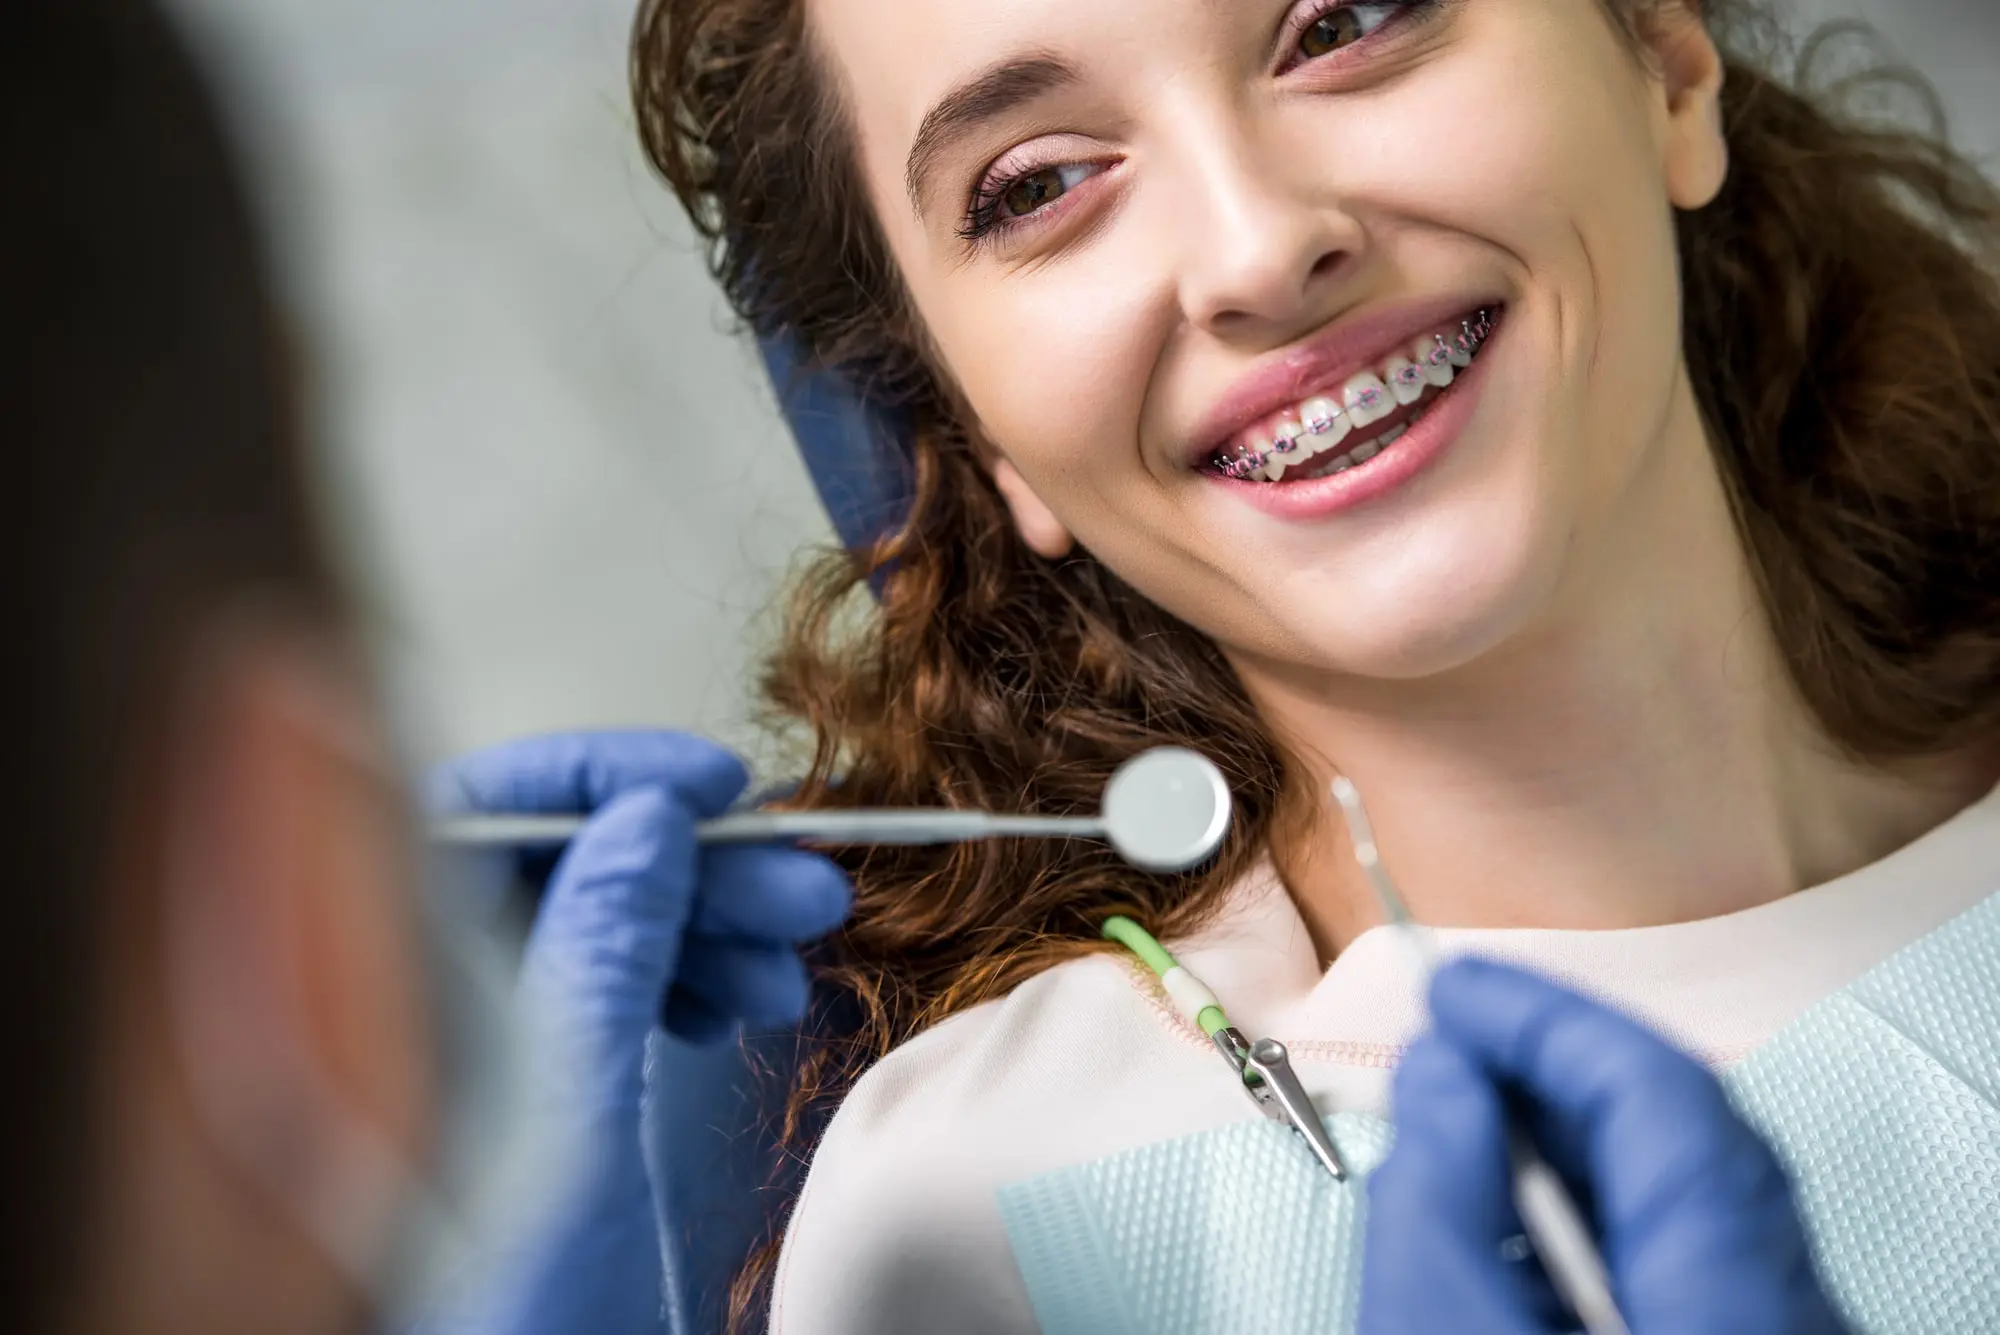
(1322, 422)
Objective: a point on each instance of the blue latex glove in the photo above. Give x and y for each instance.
(1694, 1215)
(638, 925)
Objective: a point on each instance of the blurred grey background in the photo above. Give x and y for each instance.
(560, 472)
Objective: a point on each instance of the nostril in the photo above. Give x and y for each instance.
(1327, 263)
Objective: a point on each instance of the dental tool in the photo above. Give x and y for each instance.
(1554, 1224)
(1164, 810)
(1264, 1067)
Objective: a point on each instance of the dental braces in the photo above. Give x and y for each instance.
(1472, 335)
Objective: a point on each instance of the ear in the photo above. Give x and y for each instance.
(292, 954)
(1038, 526)
(1690, 70)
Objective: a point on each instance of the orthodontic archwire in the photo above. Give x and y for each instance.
(1472, 335)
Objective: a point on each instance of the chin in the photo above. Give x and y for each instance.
(1429, 614)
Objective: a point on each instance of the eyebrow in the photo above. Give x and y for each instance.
(985, 97)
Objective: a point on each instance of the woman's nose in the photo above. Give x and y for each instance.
(1259, 246)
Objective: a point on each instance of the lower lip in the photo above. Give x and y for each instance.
(1426, 440)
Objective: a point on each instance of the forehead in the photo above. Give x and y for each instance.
(895, 57)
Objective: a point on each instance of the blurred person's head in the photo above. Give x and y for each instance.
(213, 1014)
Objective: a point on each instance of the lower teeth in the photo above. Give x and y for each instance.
(1368, 449)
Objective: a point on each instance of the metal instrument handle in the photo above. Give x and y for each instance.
(910, 825)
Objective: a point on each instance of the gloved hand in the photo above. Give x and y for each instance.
(1694, 1215)
(638, 925)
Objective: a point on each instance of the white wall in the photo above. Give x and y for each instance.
(566, 481)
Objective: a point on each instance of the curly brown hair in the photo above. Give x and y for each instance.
(1842, 329)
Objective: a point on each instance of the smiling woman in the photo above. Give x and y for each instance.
(1537, 411)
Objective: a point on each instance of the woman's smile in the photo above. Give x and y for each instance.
(1381, 432)
(1365, 409)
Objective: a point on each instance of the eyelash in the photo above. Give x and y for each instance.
(982, 219)
(982, 216)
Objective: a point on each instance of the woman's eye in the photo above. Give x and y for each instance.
(1003, 201)
(1343, 26)
(1028, 193)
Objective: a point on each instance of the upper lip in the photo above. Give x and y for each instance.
(1320, 363)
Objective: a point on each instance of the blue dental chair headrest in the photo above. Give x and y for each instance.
(853, 449)
(709, 1117)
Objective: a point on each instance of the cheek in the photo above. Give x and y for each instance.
(1569, 186)
(1054, 363)
(1568, 176)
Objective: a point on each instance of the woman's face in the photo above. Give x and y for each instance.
(1152, 238)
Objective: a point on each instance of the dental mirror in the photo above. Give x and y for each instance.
(1165, 810)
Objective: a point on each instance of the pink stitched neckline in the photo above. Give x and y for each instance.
(1379, 1056)
(1340, 1052)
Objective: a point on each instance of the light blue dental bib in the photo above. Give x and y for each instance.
(1883, 1101)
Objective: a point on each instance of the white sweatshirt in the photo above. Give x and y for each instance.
(897, 1230)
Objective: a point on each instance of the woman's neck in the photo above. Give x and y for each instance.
(1636, 757)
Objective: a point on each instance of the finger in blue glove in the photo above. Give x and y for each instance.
(753, 893)
(692, 1020)
(1697, 1220)
(1440, 1208)
(580, 772)
(763, 984)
